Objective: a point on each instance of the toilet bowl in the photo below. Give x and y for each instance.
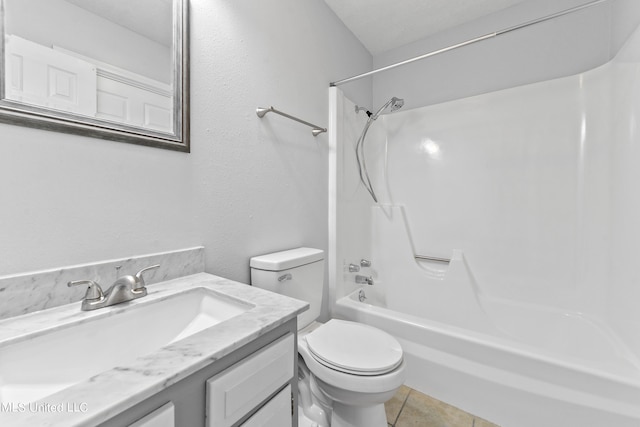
(354, 368)
(357, 379)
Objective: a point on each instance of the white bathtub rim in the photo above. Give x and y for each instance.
(514, 381)
(484, 340)
(621, 347)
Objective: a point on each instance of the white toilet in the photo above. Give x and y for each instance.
(354, 368)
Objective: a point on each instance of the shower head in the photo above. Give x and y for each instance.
(394, 103)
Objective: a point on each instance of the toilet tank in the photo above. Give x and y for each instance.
(297, 273)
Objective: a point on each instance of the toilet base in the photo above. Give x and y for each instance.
(303, 421)
(347, 400)
(358, 416)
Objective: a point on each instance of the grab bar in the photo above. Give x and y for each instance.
(433, 258)
(317, 130)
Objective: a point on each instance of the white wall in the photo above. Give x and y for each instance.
(625, 18)
(624, 289)
(264, 186)
(250, 186)
(561, 47)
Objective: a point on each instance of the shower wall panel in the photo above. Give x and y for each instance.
(516, 179)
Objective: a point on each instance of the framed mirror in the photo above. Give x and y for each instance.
(114, 69)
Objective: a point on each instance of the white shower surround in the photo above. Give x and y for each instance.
(532, 192)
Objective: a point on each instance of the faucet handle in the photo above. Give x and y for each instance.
(94, 291)
(364, 279)
(140, 280)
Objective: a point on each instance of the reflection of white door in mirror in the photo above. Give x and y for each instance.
(127, 102)
(40, 76)
(114, 69)
(130, 98)
(66, 81)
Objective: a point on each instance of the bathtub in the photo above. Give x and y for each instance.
(511, 383)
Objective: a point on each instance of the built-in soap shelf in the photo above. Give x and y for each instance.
(394, 248)
(432, 258)
(436, 267)
(414, 284)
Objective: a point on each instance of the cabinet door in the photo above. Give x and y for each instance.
(238, 390)
(161, 417)
(276, 413)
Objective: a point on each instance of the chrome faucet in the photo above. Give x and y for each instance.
(364, 279)
(125, 288)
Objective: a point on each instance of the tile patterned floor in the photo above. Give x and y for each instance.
(410, 408)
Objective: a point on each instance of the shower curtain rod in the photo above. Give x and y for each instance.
(468, 42)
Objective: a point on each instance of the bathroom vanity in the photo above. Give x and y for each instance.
(196, 351)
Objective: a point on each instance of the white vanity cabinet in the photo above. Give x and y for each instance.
(161, 417)
(235, 392)
(252, 386)
(275, 413)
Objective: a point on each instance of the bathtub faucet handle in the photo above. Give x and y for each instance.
(354, 268)
(365, 263)
(364, 279)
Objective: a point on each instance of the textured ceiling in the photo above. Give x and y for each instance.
(384, 24)
(150, 18)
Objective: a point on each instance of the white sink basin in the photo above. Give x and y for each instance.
(49, 361)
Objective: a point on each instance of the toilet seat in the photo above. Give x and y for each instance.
(354, 348)
(365, 384)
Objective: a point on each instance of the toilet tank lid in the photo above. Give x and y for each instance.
(286, 259)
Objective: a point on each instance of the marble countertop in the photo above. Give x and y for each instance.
(111, 392)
